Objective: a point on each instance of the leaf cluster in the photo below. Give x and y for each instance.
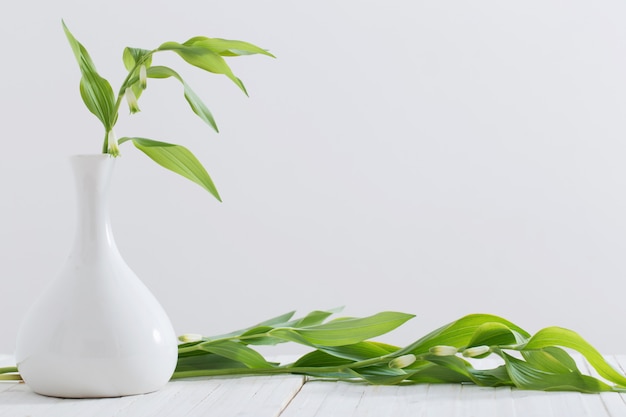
(341, 349)
(101, 100)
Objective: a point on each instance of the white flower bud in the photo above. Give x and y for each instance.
(190, 337)
(132, 101)
(113, 149)
(442, 350)
(402, 361)
(143, 77)
(476, 351)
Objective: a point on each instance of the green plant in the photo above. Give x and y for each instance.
(341, 349)
(99, 97)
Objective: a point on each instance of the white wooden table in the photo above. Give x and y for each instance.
(291, 395)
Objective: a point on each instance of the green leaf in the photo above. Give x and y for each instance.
(257, 336)
(270, 323)
(360, 351)
(313, 318)
(237, 352)
(132, 56)
(493, 334)
(495, 377)
(256, 329)
(192, 98)
(95, 91)
(435, 374)
(550, 359)
(557, 336)
(526, 376)
(350, 330)
(225, 47)
(317, 358)
(381, 375)
(454, 363)
(178, 159)
(290, 335)
(203, 58)
(206, 360)
(458, 333)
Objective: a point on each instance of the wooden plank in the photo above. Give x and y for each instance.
(249, 397)
(613, 402)
(325, 398)
(330, 399)
(20, 401)
(605, 403)
(442, 400)
(224, 397)
(485, 401)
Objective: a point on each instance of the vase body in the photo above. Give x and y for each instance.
(96, 331)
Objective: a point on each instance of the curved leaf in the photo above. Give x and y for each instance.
(526, 376)
(360, 351)
(206, 360)
(381, 375)
(493, 334)
(225, 47)
(458, 333)
(176, 158)
(203, 58)
(237, 352)
(557, 336)
(350, 330)
(95, 91)
(131, 57)
(550, 359)
(318, 358)
(194, 101)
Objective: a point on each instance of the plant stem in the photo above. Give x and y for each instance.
(120, 94)
(11, 377)
(139, 63)
(279, 370)
(105, 144)
(9, 373)
(197, 346)
(253, 371)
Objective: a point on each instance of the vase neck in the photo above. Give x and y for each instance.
(92, 175)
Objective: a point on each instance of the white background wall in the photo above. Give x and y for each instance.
(432, 157)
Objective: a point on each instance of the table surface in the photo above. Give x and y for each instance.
(292, 395)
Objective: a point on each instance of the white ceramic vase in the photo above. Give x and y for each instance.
(97, 331)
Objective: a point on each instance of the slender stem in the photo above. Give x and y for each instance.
(139, 63)
(223, 339)
(255, 371)
(9, 373)
(10, 377)
(120, 94)
(279, 370)
(105, 144)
